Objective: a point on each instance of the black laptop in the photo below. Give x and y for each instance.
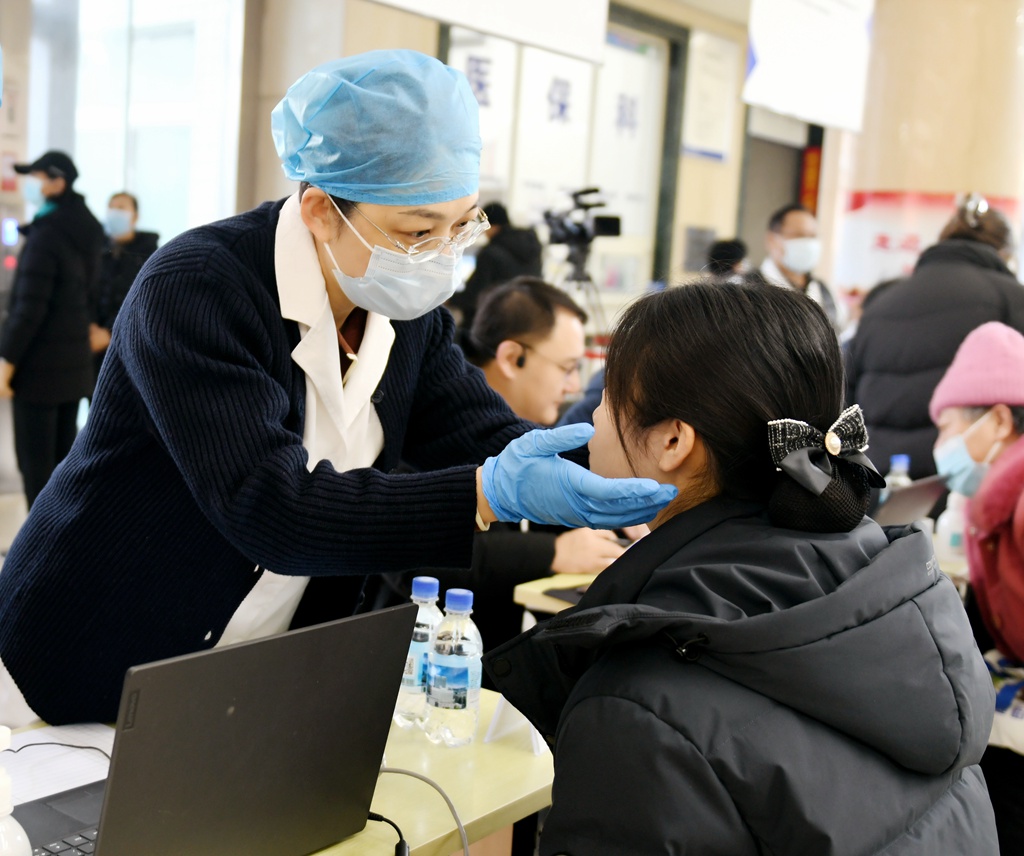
(910, 502)
(268, 748)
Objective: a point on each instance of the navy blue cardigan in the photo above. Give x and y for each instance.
(191, 473)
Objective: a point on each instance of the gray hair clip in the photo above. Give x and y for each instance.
(805, 453)
(974, 207)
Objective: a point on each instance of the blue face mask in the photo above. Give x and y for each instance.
(394, 285)
(32, 191)
(963, 474)
(118, 222)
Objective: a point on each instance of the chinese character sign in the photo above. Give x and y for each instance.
(491, 65)
(553, 130)
(478, 73)
(626, 144)
(883, 233)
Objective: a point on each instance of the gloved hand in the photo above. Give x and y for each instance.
(529, 480)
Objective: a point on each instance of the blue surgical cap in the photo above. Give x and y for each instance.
(393, 127)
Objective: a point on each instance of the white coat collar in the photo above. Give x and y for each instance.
(303, 296)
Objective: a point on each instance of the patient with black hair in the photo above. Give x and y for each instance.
(769, 670)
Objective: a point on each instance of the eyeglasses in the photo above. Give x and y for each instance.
(567, 368)
(431, 248)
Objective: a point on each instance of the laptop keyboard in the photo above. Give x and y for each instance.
(72, 845)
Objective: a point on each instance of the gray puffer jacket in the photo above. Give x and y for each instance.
(729, 687)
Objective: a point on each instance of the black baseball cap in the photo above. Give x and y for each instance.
(54, 164)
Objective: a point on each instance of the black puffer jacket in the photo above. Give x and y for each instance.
(729, 688)
(908, 336)
(46, 332)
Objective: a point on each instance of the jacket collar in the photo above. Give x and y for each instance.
(303, 296)
(636, 566)
(300, 281)
(960, 250)
(1000, 492)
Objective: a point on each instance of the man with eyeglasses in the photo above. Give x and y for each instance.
(265, 377)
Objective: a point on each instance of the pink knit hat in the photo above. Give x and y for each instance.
(988, 369)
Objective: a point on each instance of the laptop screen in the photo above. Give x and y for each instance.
(270, 747)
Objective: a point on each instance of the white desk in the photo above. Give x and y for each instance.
(491, 784)
(531, 595)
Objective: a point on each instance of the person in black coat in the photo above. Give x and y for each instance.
(45, 361)
(510, 252)
(908, 334)
(123, 257)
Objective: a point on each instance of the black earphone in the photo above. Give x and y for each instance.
(521, 360)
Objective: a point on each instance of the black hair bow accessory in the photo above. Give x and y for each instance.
(805, 454)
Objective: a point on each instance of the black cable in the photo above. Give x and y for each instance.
(402, 847)
(52, 743)
(444, 796)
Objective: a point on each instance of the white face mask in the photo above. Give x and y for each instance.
(394, 285)
(801, 255)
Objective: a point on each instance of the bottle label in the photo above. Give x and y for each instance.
(453, 682)
(956, 540)
(415, 674)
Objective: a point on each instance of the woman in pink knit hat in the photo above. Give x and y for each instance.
(978, 407)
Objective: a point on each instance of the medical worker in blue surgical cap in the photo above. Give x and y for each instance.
(265, 377)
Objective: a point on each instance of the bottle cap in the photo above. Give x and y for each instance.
(899, 462)
(458, 600)
(425, 588)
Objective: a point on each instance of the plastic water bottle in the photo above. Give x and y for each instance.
(949, 530)
(898, 475)
(13, 840)
(454, 674)
(411, 706)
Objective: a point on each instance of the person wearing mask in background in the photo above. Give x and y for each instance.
(727, 260)
(909, 332)
(126, 252)
(978, 408)
(45, 362)
(793, 251)
(265, 376)
(509, 252)
(768, 671)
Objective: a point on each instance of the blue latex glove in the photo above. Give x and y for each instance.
(529, 480)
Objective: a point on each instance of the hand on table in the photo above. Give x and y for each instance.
(585, 551)
(635, 533)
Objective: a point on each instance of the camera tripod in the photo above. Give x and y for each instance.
(578, 280)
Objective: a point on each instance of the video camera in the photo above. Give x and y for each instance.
(577, 228)
(577, 225)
